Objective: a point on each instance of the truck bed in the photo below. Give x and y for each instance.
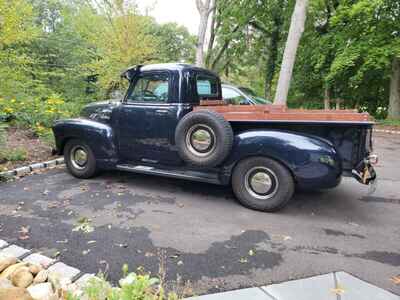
(281, 113)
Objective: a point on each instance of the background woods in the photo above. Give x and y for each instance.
(57, 55)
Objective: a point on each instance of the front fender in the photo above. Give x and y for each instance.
(314, 162)
(100, 137)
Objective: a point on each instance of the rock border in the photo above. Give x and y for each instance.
(22, 171)
(71, 277)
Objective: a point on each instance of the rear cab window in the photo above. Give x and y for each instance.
(208, 87)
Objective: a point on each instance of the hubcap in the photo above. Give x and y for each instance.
(79, 157)
(261, 183)
(200, 140)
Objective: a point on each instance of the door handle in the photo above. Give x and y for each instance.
(161, 111)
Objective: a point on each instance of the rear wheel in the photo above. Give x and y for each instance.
(263, 184)
(80, 159)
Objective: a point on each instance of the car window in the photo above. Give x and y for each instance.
(150, 88)
(207, 86)
(233, 97)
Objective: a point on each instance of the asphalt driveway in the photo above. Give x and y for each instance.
(202, 235)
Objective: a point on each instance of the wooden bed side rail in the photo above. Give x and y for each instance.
(281, 112)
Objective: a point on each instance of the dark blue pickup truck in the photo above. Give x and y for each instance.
(173, 123)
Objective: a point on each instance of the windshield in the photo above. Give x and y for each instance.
(248, 91)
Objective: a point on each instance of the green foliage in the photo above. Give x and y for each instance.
(131, 286)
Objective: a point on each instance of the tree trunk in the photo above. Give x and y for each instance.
(272, 57)
(338, 101)
(204, 10)
(394, 100)
(289, 56)
(327, 99)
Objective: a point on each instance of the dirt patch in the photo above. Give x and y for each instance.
(24, 140)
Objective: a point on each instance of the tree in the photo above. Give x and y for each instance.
(394, 99)
(205, 8)
(289, 56)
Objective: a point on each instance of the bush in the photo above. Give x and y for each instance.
(37, 114)
(131, 286)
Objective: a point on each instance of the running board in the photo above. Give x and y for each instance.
(180, 174)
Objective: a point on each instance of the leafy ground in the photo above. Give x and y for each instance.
(22, 147)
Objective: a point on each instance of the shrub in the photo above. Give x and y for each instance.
(131, 286)
(37, 113)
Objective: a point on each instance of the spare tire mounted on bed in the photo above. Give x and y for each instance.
(204, 138)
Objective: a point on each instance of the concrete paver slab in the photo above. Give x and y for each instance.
(13, 250)
(37, 258)
(3, 244)
(354, 288)
(318, 287)
(64, 271)
(244, 294)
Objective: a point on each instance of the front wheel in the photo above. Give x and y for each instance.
(80, 159)
(262, 184)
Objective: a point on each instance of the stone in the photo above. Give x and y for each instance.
(36, 166)
(354, 288)
(22, 277)
(3, 244)
(39, 259)
(60, 161)
(244, 294)
(15, 293)
(6, 262)
(11, 269)
(41, 291)
(50, 163)
(64, 271)
(83, 280)
(22, 171)
(41, 276)
(5, 284)
(13, 251)
(35, 269)
(318, 287)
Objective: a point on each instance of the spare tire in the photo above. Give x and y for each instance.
(204, 138)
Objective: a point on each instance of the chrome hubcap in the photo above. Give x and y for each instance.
(79, 157)
(200, 140)
(261, 183)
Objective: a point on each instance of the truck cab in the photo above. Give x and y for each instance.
(172, 122)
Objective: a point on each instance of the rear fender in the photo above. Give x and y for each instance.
(100, 137)
(313, 162)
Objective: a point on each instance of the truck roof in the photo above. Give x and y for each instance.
(169, 67)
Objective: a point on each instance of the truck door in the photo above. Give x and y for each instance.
(147, 120)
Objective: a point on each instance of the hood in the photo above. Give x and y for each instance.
(100, 111)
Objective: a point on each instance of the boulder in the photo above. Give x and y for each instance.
(15, 293)
(35, 269)
(6, 262)
(42, 291)
(5, 283)
(22, 277)
(41, 276)
(11, 269)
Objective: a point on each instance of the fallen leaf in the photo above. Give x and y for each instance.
(84, 252)
(251, 252)
(91, 242)
(179, 263)
(243, 260)
(396, 279)
(338, 291)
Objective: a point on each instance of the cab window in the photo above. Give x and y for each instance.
(207, 86)
(150, 88)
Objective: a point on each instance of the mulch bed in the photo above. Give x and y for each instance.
(36, 149)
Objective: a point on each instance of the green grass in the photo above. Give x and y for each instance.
(388, 122)
(12, 155)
